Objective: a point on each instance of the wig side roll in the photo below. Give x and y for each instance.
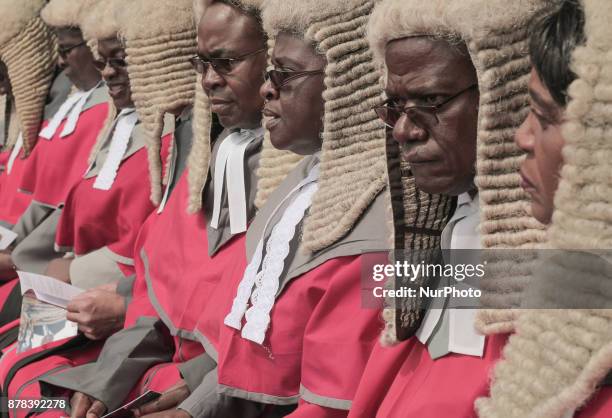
(199, 157)
(30, 58)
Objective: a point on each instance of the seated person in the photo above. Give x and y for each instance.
(564, 136)
(442, 107)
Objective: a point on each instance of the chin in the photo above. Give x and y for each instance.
(280, 142)
(542, 214)
(433, 186)
(227, 121)
(121, 104)
(70, 77)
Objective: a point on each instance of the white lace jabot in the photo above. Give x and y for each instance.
(261, 278)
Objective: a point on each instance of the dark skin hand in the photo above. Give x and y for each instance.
(424, 71)
(170, 413)
(99, 312)
(7, 271)
(84, 406)
(166, 404)
(77, 60)
(225, 32)
(294, 113)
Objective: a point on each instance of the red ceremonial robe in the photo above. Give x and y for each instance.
(93, 220)
(53, 167)
(56, 164)
(4, 155)
(320, 335)
(108, 221)
(404, 382)
(179, 258)
(13, 202)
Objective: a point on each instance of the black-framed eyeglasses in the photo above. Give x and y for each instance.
(422, 115)
(116, 63)
(280, 78)
(63, 52)
(223, 66)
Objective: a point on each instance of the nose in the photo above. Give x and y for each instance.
(268, 92)
(211, 80)
(406, 131)
(61, 62)
(108, 72)
(523, 137)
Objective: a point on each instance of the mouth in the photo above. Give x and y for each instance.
(270, 119)
(416, 158)
(527, 184)
(115, 90)
(220, 105)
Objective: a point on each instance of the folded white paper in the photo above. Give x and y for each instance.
(47, 289)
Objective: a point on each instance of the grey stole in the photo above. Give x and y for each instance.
(369, 234)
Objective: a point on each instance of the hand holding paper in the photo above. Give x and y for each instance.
(125, 411)
(99, 312)
(47, 289)
(43, 315)
(7, 268)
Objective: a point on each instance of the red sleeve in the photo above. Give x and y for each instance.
(338, 339)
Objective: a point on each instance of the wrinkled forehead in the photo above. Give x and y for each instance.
(68, 33)
(224, 27)
(428, 61)
(109, 47)
(424, 44)
(293, 49)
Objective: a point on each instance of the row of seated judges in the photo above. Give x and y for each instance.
(215, 175)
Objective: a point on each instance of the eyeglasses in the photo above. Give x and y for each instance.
(280, 78)
(63, 52)
(223, 66)
(116, 63)
(423, 116)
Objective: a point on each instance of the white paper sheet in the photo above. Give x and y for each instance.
(47, 289)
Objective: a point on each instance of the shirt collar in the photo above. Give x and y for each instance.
(465, 198)
(125, 111)
(91, 90)
(185, 115)
(257, 132)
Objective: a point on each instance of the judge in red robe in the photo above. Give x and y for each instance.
(186, 249)
(102, 215)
